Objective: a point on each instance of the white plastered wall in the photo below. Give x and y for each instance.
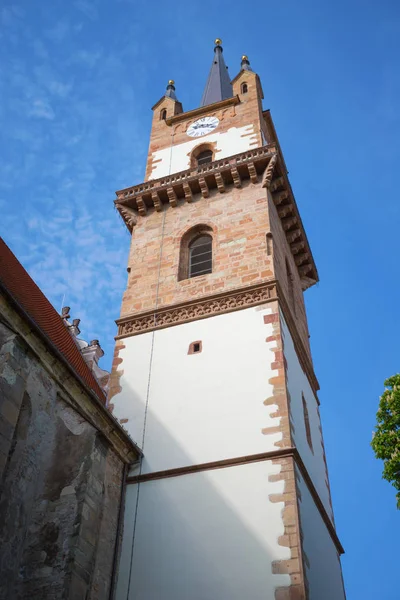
(322, 567)
(298, 384)
(201, 407)
(177, 158)
(204, 536)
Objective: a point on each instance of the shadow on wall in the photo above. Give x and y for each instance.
(207, 535)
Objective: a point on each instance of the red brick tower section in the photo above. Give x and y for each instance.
(261, 256)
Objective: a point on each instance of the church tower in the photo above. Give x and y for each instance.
(212, 375)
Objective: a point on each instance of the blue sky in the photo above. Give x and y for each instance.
(77, 83)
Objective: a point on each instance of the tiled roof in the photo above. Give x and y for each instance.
(31, 299)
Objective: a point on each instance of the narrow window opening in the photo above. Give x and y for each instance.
(200, 256)
(269, 244)
(204, 157)
(163, 114)
(307, 423)
(195, 347)
(244, 88)
(290, 286)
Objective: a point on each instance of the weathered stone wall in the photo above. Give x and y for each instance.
(60, 485)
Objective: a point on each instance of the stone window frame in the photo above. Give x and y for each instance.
(187, 238)
(163, 114)
(195, 347)
(244, 88)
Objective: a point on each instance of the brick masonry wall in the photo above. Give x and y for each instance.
(239, 220)
(60, 486)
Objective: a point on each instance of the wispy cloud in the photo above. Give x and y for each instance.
(59, 31)
(68, 139)
(89, 9)
(42, 109)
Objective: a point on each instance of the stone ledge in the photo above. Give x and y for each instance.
(290, 452)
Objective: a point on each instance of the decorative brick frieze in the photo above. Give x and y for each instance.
(197, 309)
(212, 305)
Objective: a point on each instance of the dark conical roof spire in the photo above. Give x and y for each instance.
(170, 93)
(218, 86)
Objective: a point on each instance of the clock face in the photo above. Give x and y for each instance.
(203, 126)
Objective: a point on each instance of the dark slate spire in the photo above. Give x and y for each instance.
(170, 93)
(245, 64)
(218, 86)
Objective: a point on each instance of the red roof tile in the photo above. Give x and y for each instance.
(27, 294)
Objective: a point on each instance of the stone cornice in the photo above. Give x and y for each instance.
(262, 165)
(154, 193)
(217, 304)
(203, 110)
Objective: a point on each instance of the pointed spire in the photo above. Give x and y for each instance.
(245, 64)
(170, 93)
(218, 86)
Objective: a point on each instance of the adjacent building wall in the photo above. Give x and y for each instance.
(60, 481)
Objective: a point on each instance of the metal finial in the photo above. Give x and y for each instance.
(170, 93)
(218, 42)
(245, 64)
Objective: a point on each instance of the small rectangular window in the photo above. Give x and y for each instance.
(195, 347)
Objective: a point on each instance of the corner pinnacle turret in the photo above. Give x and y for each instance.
(170, 91)
(218, 86)
(245, 64)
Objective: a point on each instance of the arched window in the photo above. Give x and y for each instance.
(200, 256)
(163, 114)
(195, 252)
(244, 88)
(204, 157)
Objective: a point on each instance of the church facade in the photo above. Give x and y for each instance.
(213, 375)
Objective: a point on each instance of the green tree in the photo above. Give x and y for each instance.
(386, 440)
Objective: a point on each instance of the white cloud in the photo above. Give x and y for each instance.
(41, 109)
(59, 31)
(86, 57)
(59, 89)
(88, 9)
